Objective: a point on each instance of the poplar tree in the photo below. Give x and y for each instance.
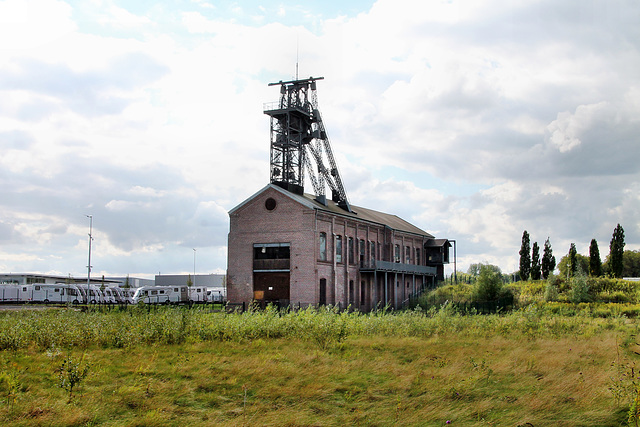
(535, 262)
(595, 263)
(573, 260)
(616, 251)
(525, 257)
(548, 260)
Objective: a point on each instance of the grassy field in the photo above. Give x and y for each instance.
(179, 367)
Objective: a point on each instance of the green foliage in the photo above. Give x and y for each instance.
(10, 383)
(551, 292)
(631, 264)
(525, 257)
(616, 252)
(580, 289)
(536, 272)
(548, 260)
(573, 265)
(489, 286)
(595, 263)
(581, 263)
(71, 373)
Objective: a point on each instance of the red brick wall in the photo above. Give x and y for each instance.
(300, 226)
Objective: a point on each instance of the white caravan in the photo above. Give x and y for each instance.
(169, 294)
(216, 294)
(95, 295)
(15, 293)
(119, 296)
(56, 293)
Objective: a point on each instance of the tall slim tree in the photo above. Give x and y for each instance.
(548, 260)
(616, 251)
(573, 261)
(535, 262)
(595, 263)
(525, 257)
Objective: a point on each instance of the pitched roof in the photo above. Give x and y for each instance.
(358, 212)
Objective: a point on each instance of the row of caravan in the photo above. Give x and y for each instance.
(77, 294)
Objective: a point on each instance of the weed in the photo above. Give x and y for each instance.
(10, 382)
(71, 373)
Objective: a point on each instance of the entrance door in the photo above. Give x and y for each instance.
(271, 288)
(323, 292)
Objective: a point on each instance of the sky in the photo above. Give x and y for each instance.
(475, 120)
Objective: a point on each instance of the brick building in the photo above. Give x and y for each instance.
(290, 248)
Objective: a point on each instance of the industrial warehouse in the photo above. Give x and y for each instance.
(288, 247)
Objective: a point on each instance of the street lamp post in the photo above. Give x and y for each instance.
(89, 264)
(194, 267)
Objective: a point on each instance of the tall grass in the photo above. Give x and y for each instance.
(66, 329)
(175, 366)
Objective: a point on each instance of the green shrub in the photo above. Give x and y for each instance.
(489, 286)
(551, 292)
(580, 289)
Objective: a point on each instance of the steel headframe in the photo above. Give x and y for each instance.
(297, 135)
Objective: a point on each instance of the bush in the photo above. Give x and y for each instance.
(489, 286)
(551, 292)
(580, 289)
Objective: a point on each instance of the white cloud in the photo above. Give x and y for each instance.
(152, 121)
(32, 24)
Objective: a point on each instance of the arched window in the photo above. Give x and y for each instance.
(323, 246)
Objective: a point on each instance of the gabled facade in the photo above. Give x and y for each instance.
(289, 248)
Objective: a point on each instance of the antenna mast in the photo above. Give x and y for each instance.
(298, 134)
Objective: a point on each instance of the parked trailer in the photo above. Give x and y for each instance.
(95, 295)
(169, 294)
(15, 293)
(216, 294)
(56, 293)
(127, 294)
(119, 295)
(108, 295)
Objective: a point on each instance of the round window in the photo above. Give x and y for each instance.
(270, 204)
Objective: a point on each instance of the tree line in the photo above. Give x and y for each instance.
(619, 263)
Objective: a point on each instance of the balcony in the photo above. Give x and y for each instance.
(396, 267)
(271, 264)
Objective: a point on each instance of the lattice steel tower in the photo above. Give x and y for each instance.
(297, 136)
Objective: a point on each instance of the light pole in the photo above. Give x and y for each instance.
(194, 267)
(89, 264)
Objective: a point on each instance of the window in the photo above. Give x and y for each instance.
(271, 251)
(175, 289)
(407, 255)
(323, 246)
(362, 250)
(397, 253)
(338, 248)
(418, 259)
(362, 293)
(270, 204)
(351, 293)
(372, 251)
(352, 251)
